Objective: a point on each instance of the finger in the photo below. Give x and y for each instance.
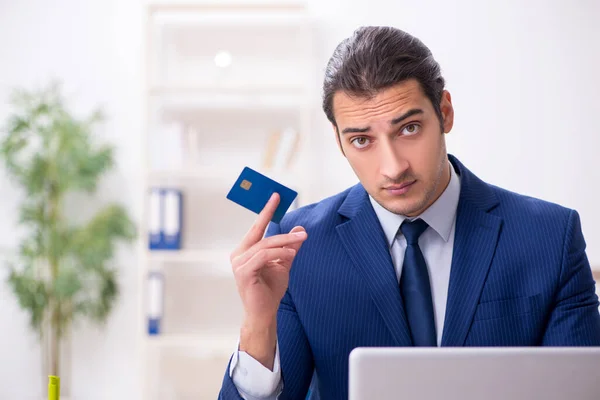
(296, 245)
(291, 240)
(257, 230)
(266, 257)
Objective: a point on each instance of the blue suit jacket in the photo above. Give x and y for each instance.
(519, 277)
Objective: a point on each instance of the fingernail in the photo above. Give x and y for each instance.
(300, 234)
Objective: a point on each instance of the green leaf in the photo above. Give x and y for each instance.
(96, 117)
(17, 124)
(37, 176)
(99, 302)
(31, 294)
(66, 284)
(32, 212)
(94, 244)
(60, 268)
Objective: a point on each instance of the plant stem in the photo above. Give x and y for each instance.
(55, 346)
(54, 204)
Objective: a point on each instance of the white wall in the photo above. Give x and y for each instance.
(523, 77)
(95, 48)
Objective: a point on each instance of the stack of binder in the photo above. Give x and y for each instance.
(166, 219)
(164, 233)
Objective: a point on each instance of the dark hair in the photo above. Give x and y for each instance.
(376, 58)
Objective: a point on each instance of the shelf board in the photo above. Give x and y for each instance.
(209, 344)
(217, 257)
(212, 263)
(246, 18)
(231, 97)
(225, 175)
(194, 88)
(191, 6)
(195, 173)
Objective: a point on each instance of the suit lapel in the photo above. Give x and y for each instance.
(475, 240)
(476, 236)
(365, 243)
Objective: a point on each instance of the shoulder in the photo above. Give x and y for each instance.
(528, 210)
(316, 216)
(506, 203)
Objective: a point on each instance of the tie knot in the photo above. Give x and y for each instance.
(413, 229)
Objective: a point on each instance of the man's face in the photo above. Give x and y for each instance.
(394, 144)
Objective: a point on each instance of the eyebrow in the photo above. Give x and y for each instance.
(395, 121)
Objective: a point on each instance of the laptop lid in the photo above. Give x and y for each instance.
(492, 373)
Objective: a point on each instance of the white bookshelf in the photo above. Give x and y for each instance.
(264, 84)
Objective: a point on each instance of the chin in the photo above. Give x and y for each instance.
(407, 211)
(408, 207)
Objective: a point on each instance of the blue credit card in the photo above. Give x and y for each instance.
(253, 190)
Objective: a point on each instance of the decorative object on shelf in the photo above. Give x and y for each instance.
(165, 219)
(156, 287)
(61, 272)
(192, 147)
(281, 149)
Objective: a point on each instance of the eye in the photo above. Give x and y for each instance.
(411, 129)
(360, 142)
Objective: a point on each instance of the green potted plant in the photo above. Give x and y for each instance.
(61, 271)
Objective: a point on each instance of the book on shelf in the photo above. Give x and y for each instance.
(281, 148)
(165, 219)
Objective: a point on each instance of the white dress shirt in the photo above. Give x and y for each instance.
(256, 382)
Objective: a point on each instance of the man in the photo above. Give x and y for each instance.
(420, 253)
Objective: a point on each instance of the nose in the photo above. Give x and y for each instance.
(391, 163)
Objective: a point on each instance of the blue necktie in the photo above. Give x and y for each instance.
(415, 288)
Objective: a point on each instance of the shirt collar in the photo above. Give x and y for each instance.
(439, 216)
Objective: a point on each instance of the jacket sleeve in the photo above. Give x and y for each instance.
(228, 389)
(296, 357)
(575, 320)
(296, 360)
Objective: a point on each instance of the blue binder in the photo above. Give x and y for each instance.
(172, 219)
(156, 290)
(155, 238)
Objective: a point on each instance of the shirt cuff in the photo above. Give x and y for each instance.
(252, 379)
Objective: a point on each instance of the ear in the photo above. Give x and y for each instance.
(447, 111)
(337, 138)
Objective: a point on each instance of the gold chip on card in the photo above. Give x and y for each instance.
(246, 184)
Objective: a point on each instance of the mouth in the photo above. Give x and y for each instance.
(396, 190)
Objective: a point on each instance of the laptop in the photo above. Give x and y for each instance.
(491, 373)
